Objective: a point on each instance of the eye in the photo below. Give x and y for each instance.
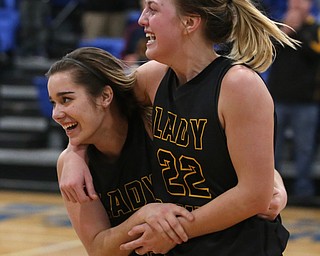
(66, 99)
(52, 103)
(151, 10)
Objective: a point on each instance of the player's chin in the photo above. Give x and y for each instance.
(266, 217)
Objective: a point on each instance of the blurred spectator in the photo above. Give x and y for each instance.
(135, 42)
(104, 18)
(134, 54)
(33, 35)
(275, 9)
(294, 85)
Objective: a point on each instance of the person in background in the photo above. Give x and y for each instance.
(33, 32)
(103, 18)
(135, 44)
(135, 47)
(295, 86)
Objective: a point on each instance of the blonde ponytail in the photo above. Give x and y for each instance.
(252, 36)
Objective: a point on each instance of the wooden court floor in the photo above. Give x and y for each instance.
(37, 224)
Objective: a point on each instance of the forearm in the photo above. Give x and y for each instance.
(108, 242)
(91, 223)
(160, 230)
(228, 209)
(92, 226)
(74, 175)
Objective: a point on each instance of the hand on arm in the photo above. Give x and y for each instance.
(148, 241)
(93, 228)
(160, 230)
(91, 223)
(75, 180)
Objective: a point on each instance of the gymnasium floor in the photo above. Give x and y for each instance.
(33, 224)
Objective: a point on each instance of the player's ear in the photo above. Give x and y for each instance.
(191, 23)
(107, 96)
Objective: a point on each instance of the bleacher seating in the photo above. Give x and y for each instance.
(40, 82)
(9, 22)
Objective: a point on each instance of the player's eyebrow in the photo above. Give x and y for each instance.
(59, 94)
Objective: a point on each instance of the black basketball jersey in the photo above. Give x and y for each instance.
(193, 165)
(125, 185)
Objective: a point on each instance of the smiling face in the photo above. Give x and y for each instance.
(163, 27)
(78, 114)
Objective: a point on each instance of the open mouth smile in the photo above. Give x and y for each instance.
(70, 126)
(152, 38)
